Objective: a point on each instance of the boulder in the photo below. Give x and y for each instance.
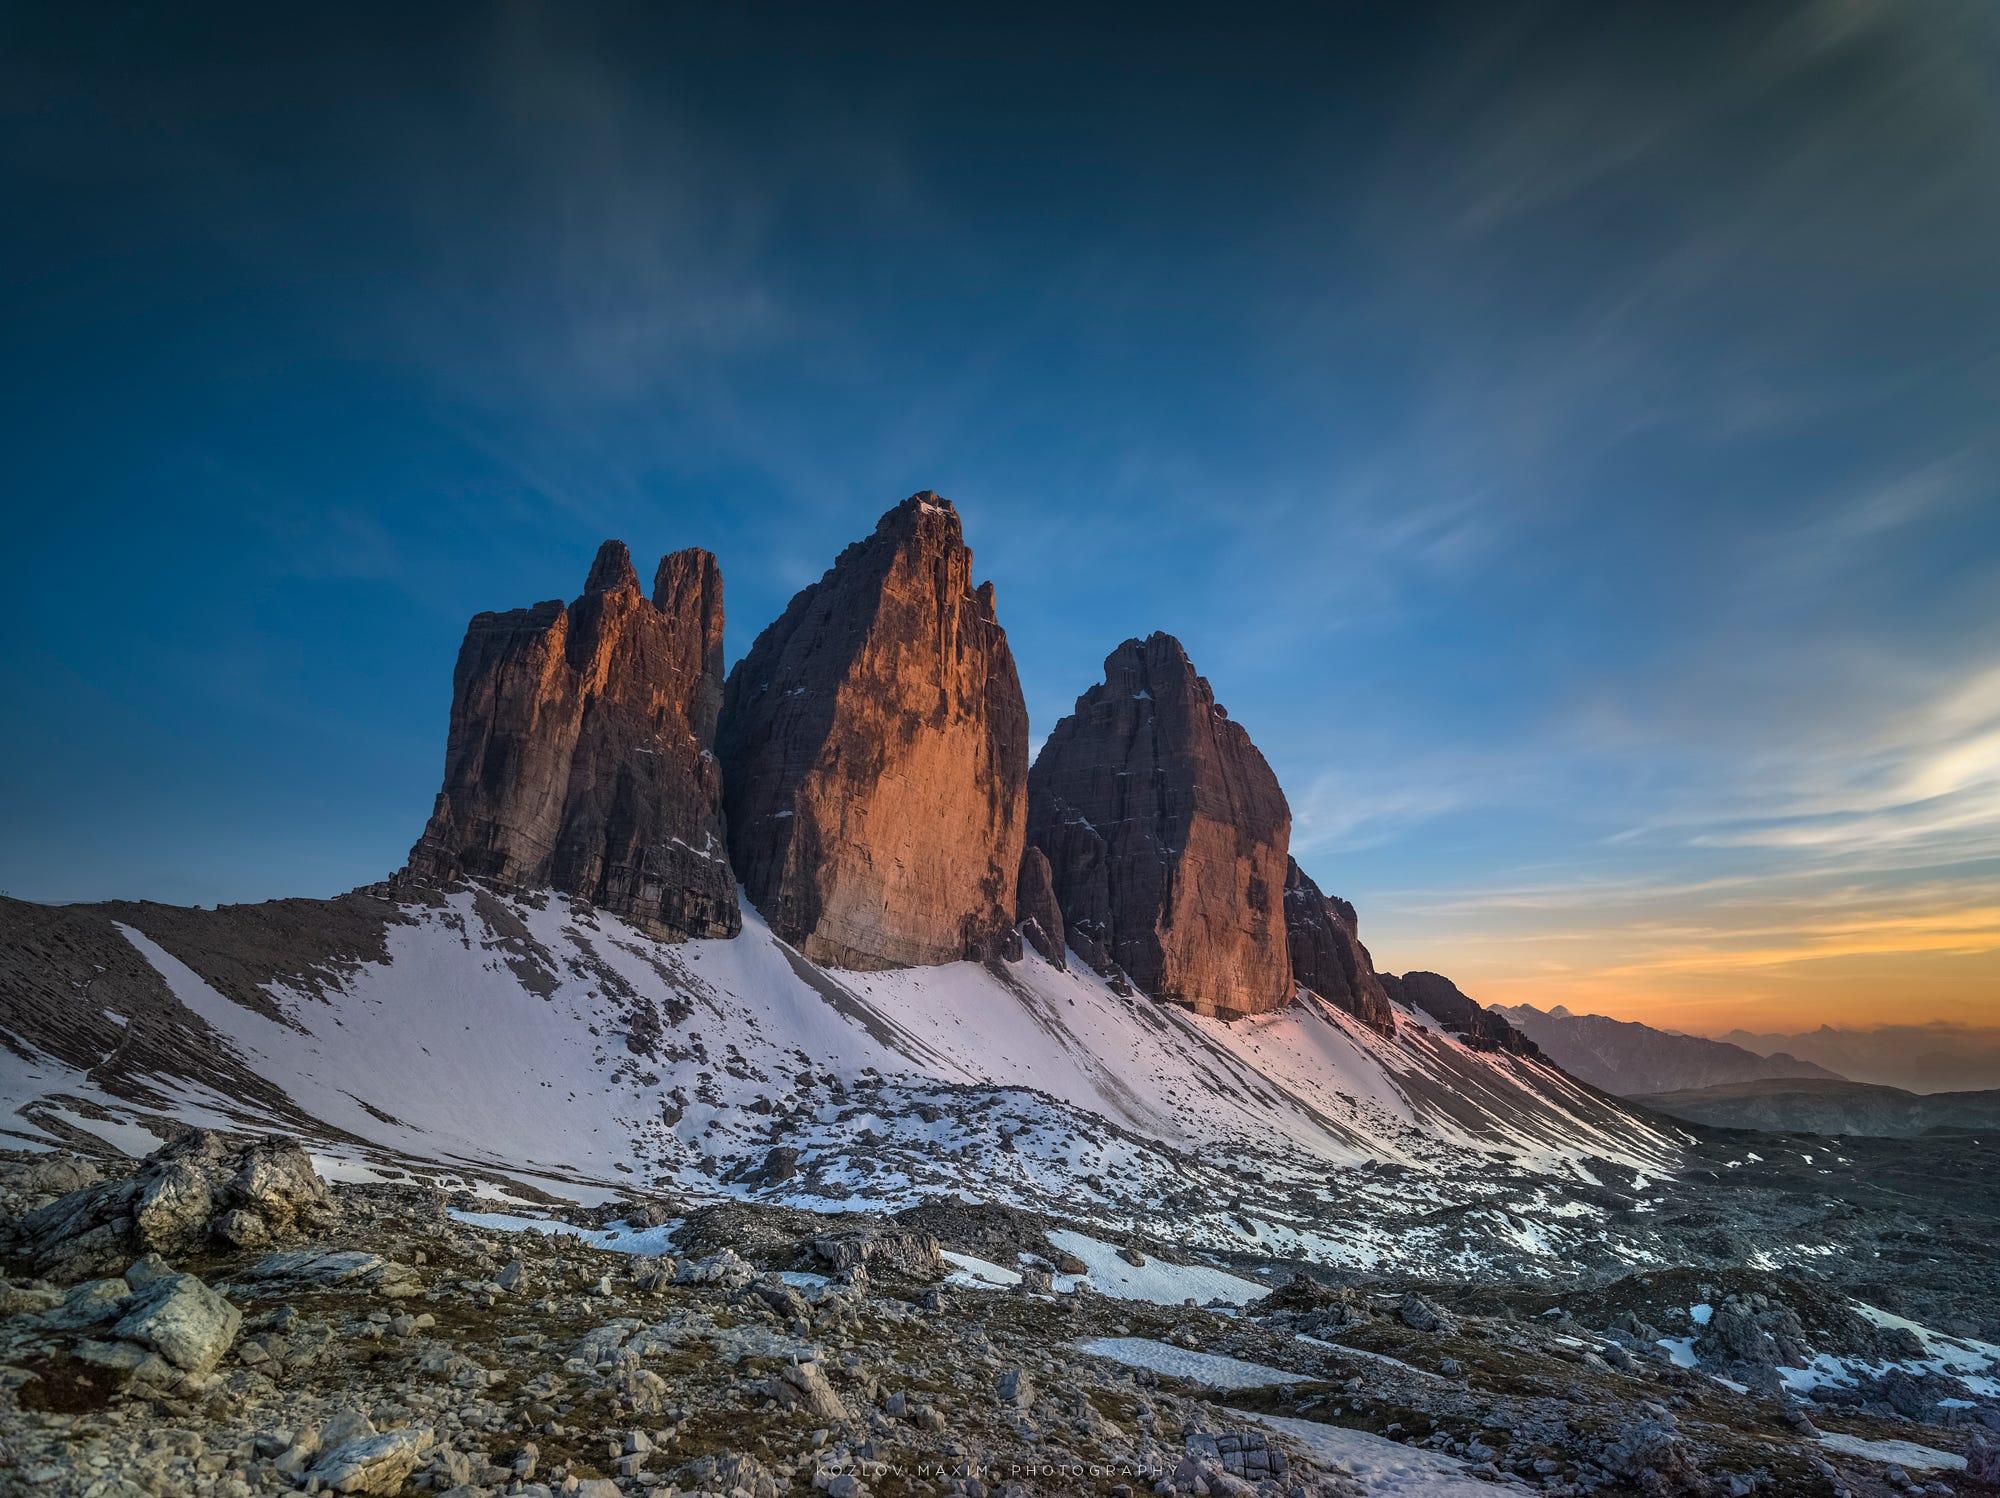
(875, 750)
(1327, 957)
(810, 1390)
(183, 1320)
(1015, 1387)
(379, 1463)
(1242, 1453)
(88, 1304)
(1167, 836)
(189, 1193)
(881, 1249)
(581, 751)
(1421, 1314)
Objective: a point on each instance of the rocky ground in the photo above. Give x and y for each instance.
(217, 1320)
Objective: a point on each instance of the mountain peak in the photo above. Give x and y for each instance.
(1327, 957)
(611, 570)
(1167, 835)
(580, 751)
(926, 510)
(874, 743)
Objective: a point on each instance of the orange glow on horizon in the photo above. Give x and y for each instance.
(1773, 966)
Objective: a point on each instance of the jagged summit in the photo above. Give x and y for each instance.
(1327, 955)
(1480, 1027)
(874, 746)
(1167, 835)
(611, 569)
(580, 756)
(862, 774)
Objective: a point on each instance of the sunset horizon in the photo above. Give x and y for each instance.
(881, 751)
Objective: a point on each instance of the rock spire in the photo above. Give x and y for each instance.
(581, 751)
(1166, 835)
(875, 751)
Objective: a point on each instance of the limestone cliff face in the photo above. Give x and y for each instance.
(1326, 951)
(581, 752)
(875, 751)
(1166, 835)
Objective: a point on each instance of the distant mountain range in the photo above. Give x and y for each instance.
(1823, 1105)
(1785, 1083)
(1633, 1060)
(1936, 1057)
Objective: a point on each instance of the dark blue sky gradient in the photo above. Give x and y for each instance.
(1564, 434)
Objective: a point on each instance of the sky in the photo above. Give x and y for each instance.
(1565, 435)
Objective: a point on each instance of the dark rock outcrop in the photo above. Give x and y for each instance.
(875, 749)
(880, 1248)
(1036, 909)
(581, 754)
(1166, 834)
(195, 1193)
(1327, 955)
(1478, 1026)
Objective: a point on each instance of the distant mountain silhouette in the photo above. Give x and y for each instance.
(1631, 1059)
(1937, 1057)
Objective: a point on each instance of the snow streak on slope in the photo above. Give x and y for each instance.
(535, 1038)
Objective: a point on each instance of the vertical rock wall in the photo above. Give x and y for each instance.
(1167, 836)
(874, 743)
(581, 751)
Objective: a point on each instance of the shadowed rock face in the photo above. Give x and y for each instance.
(1036, 907)
(581, 754)
(875, 749)
(1441, 999)
(1166, 835)
(1327, 955)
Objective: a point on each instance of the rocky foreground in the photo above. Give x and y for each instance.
(218, 1320)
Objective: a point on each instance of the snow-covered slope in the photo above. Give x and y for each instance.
(535, 1040)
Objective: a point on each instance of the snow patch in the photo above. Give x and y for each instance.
(977, 1274)
(1156, 1281)
(1903, 1453)
(1212, 1370)
(619, 1238)
(1382, 1466)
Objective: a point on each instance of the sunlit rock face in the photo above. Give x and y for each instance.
(875, 749)
(1324, 938)
(1167, 836)
(581, 752)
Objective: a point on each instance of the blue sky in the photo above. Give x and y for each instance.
(1566, 439)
